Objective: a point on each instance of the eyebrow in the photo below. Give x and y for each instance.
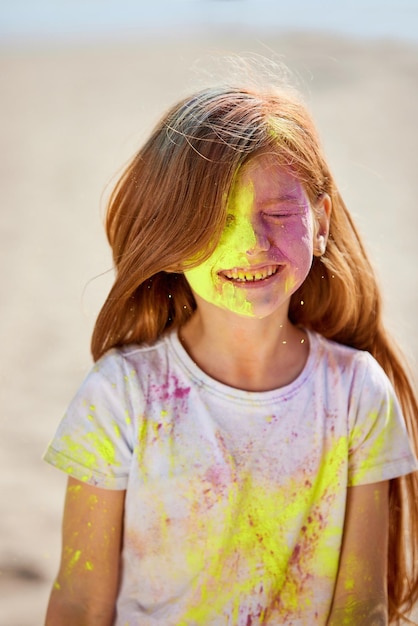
(284, 198)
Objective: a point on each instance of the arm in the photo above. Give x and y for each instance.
(85, 590)
(360, 597)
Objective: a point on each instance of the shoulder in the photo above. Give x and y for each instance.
(339, 358)
(121, 377)
(137, 373)
(355, 370)
(346, 357)
(377, 439)
(132, 359)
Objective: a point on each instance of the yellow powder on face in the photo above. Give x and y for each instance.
(237, 238)
(235, 300)
(289, 284)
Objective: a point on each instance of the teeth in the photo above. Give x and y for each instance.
(241, 275)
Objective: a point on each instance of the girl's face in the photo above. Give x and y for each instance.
(266, 249)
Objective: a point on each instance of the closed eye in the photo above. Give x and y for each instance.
(282, 216)
(284, 207)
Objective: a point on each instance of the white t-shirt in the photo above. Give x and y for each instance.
(235, 500)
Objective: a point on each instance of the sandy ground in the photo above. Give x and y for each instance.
(70, 117)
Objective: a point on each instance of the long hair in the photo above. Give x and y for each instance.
(170, 207)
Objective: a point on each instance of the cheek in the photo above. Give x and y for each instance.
(296, 239)
(200, 279)
(233, 246)
(242, 237)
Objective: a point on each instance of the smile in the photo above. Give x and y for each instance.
(250, 276)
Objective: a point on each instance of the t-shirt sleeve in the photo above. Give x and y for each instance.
(95, 439)
(379, 445)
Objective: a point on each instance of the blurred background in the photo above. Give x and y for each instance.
(82, 83)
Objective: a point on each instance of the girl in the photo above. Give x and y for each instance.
(237, 456)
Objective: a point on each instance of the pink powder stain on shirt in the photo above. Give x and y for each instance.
(215, 476)
(181, 392)
(171, 389)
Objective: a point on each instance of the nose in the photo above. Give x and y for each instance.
(260, 243)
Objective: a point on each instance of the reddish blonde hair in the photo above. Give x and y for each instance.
(170, 205)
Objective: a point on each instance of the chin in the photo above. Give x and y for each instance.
(256, 312)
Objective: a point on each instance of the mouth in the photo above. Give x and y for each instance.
(249, 275)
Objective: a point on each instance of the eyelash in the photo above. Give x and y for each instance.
(278, 215)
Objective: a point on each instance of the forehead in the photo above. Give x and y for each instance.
(268, 178)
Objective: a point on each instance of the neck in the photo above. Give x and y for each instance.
(246, 353)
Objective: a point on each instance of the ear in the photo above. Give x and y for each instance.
(322, 215)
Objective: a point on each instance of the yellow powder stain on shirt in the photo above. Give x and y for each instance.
(103, 445)
(374, 451)
(78, 454)
(92, 409)
(102, 450)
(254, 547)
